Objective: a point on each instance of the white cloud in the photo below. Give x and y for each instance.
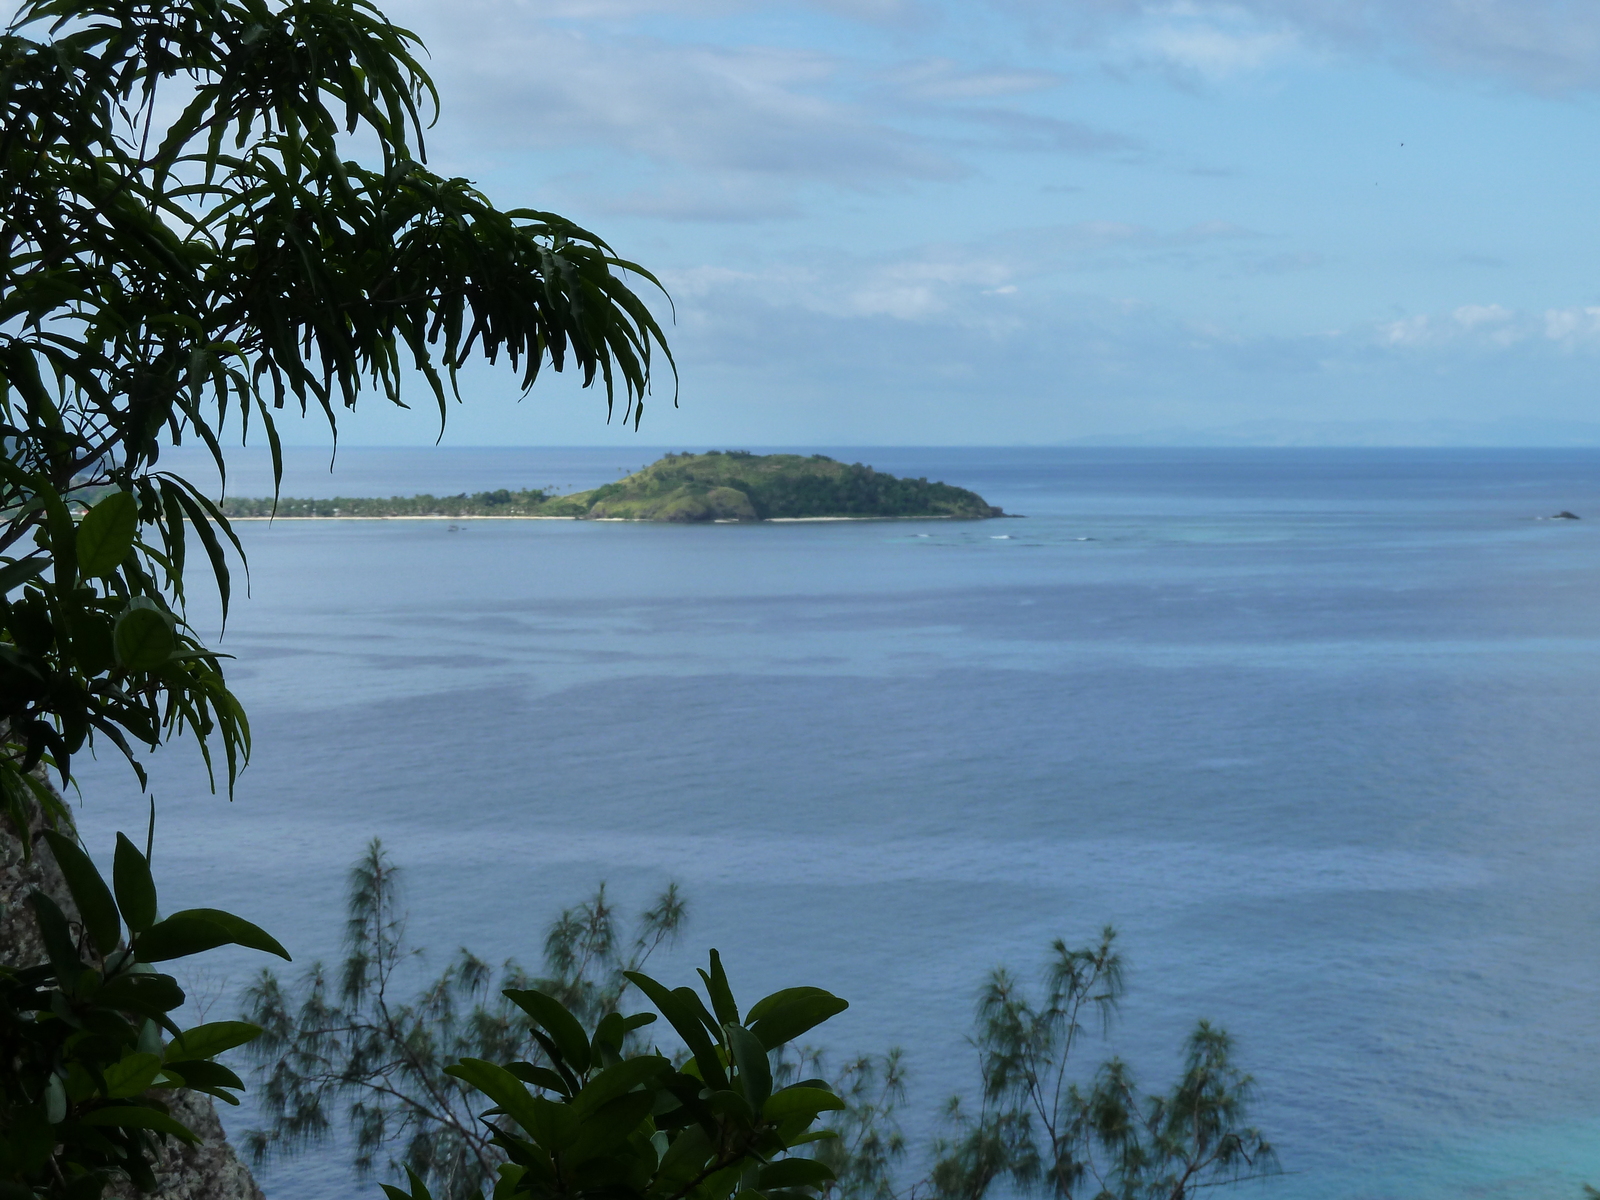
(1472, 316)
(945, 79)
(1573, 328)
(712, 131)
(1408, 331)
(1020, 361)
(964, 283)
(1214, 51)
(1478, 328)
(724, 122)
(757, 110)
(1541, 45)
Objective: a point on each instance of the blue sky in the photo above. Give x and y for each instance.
(1020, 222)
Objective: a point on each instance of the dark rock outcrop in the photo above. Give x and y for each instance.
(209, 1171)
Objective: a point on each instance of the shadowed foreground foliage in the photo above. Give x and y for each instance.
(352, 1047)
(1042, 1122)
(87, 1069)
(577, 1106)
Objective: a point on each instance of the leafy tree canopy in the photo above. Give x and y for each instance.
(187, 238)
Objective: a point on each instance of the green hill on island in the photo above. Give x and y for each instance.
(732, 485)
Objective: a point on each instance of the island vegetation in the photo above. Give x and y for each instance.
(732, 485)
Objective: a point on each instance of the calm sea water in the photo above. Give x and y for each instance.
(1315, 730)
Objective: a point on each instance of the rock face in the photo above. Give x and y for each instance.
(209, 1171)
(19, 879)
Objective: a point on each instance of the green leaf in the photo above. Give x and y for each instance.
(419, 1190)
(784, 1016)
(794, 1172)
(721, 995)
(14, 574)
(211, 1077)
(750, 1056)
(152, 996)
(56, 934)
(131, 1075)
(106, 533)
(608, 1035)
(691, 1002)
(533, 1113)
(729, 1103)
(240, 932)
(618, 1080)
(144, 639)
(91, 639)
(134, 1116)
(553, 1016)
(210, 1040)
(684, 1159)
(89, 892)
(609, 1128)
(815, 1135)
(799, 1101)
(688, 1025)
(136, 891)
(195, 930)
(613, 1030)
(30, 1140)
(542, 1077)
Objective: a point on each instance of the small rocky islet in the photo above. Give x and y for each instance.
(720, 485)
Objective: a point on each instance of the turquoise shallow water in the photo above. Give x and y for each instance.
(1315, 730)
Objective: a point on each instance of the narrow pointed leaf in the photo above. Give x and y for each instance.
(719, 991)
(196, 930)
(56, 934)
(89, 892)
(209, 1040)
(794, 1172)
(750, 1056)
(688, 1025)
(136, 891)
(132, 1116)
(553, 1016)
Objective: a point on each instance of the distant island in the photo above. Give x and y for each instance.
(721, 485)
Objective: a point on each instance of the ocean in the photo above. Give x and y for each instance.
(1315, 730)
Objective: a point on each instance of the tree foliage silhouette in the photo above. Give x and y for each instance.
(184, 243)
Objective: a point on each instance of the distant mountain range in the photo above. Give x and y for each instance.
(1441, 433)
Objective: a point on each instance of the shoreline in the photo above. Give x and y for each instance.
(623, 520)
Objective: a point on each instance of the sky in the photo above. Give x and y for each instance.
(1040, 222)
